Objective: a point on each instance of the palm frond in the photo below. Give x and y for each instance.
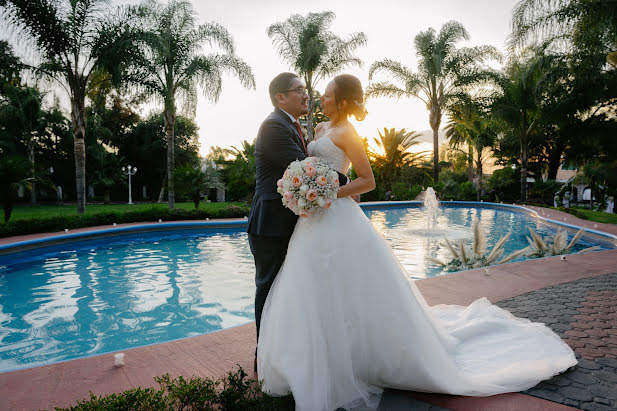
(385, 90)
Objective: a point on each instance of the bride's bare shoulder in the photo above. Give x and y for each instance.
(321, 128)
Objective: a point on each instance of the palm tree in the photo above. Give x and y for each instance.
(443, 73)
(518, 108)
(172, 65)
(75, 38)
(13, 174)
(191, 180)
(588, 25)
(394, 153)
(240, 171)
(20, 114)
(470, 125)
(313, 51)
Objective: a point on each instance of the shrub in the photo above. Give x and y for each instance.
(402, 192)
(234, 392)
(506, 184)
(543, 192)
(467, 191)
(59, 223)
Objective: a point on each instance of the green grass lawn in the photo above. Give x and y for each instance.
(46, 211)
(597, 216)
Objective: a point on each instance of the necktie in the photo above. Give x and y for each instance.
(301, 136)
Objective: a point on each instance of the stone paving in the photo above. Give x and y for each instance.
(584, 314)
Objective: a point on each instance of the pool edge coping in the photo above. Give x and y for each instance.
(94, 232)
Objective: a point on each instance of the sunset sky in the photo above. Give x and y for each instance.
(390, 26)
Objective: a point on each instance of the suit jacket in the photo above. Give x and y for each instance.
(277, 144)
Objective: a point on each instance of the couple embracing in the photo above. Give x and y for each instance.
(337, 319)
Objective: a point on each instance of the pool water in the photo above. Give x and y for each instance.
(98, 296)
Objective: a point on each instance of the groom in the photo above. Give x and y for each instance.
(279, 142)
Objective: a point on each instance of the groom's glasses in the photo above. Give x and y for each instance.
(299, 90)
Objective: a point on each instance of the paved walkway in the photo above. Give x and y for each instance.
(575, 297)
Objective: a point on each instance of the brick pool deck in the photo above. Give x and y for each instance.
(576, 297)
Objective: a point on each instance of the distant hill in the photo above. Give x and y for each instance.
(426, 136)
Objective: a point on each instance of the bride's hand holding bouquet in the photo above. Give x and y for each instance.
(309, 186)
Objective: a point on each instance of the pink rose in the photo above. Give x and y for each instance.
(310, 170)
(288, 195)
(292, 203)
(296, 181)
(336, 183)
(311, 195)
(328, 204)
(286, 174)
(280, 183)
(304, 213)
(321, 180)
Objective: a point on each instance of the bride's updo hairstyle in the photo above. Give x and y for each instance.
(348, 88)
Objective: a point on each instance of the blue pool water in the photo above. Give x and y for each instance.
(98, 296)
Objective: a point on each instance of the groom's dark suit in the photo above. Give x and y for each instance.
(270, 224)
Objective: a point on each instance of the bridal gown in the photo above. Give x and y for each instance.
(342, 321)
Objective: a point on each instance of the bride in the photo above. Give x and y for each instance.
(342, 321)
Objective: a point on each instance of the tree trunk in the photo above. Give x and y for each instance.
(435, 120)
(309, 118)
(554, 161)
(78, 123)
(162, 192)
(479, 171)
(523, 173)
(435, 155)
(196, 199)
(170, 118)
(470, 162)
(33, 174)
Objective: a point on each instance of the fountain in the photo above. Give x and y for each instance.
(431, 208)
(433, 227)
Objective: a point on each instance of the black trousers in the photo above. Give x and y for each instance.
(269, 254)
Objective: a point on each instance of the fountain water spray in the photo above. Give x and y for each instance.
(431, 207)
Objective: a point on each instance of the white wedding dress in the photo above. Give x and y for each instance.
(342, 321)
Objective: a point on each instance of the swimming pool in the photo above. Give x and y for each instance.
(101, 295)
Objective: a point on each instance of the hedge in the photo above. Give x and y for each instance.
(59, 223)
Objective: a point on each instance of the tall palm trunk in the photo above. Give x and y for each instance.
(435, 121)
(479, 171)
(309, 118)
(308, 79)
(31, 158)
(78, 125)
(169, 117)
(524, 170)
(162, 192)
(469, 162)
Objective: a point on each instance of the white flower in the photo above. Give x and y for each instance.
(321, 201)
(296, 167)
(287, 185)
(333, 175)
(301, 203)
(303, 189)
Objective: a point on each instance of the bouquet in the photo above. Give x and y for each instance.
(309, 186)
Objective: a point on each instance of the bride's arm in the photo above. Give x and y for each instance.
(351, 143)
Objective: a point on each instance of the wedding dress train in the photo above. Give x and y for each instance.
(342, 321)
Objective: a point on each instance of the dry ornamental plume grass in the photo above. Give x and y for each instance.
(465, 259)
(539, 247)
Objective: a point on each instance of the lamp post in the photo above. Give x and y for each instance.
(130, 171)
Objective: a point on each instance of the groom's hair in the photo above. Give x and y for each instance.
(279, 84)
